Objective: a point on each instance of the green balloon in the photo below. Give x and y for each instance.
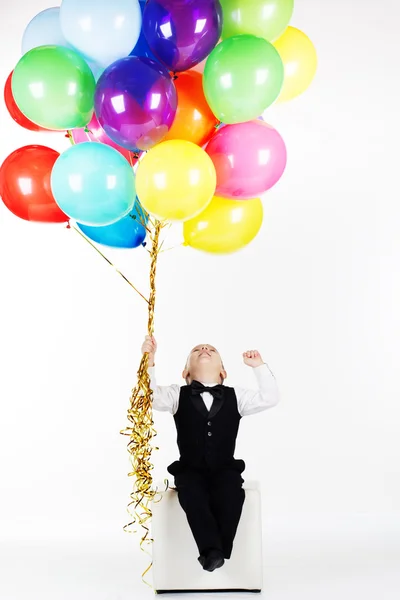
(54, 87)
(265, 18)
(243, 75)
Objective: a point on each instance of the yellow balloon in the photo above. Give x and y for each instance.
(175, 180)
(224, 226)
(299, 58)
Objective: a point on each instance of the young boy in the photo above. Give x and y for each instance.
(207, 415)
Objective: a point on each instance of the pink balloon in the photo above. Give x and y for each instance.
(249, 159)
(97, 134)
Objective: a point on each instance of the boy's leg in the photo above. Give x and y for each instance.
(227, 498)
(193, 494)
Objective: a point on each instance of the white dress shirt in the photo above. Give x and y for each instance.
(166, 398)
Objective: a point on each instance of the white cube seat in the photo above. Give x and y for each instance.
(175, 564)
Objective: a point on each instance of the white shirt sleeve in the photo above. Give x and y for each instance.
(267, 395)
(165, 397)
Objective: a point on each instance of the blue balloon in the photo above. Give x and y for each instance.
(102, 30)
(93, 184)
(182, 33)
(142, 47)
(45, 30)
(128, 232)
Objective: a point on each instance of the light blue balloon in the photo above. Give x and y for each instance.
(128, 232)
(102, 30)
(45, 30)
(93, 184)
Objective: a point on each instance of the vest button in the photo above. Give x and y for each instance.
(209, 423)
(209, 433)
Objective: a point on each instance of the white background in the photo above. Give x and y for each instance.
(317, 293)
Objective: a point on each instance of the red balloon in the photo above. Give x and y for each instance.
(25, 185)
(14, 111)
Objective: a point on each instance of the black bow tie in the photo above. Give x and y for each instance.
(199, 388)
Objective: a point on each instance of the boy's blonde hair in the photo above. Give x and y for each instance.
(186, 365)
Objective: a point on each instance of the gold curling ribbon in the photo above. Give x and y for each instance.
(140, 414)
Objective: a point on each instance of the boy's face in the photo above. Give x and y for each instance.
(204, 361)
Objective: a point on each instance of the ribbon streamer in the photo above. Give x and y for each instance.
(106, 259)
(140, 411)
(142, 431)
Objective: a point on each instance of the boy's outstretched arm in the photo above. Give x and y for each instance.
(267, 395)
(165, 398)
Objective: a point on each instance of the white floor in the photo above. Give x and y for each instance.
(330, 557)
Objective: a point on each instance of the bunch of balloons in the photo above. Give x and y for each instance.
(162, 102)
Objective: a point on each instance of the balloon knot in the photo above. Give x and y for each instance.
(144, 244)
(68, 225)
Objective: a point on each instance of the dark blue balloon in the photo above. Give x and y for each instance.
(125, 233)
(142, 47)
(182, 33)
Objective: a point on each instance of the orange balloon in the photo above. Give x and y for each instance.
(194, 120)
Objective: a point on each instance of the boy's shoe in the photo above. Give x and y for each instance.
(214, 559)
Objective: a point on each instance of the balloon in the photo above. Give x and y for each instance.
(194, 120)
(299, 58)
(267, 19)
(242, 77)
(14, 111)
(128, 232)
(200, 66)
(142, 47)
(224, 226)
(53, 86)
(96, 133)
(249, 159)
(93, 184)
(182, 34)
(25, 184)
(45, 30)
(103, 31)
(175, 180)
(135, 102)
(96, 69)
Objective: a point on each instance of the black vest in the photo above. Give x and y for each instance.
(206, 439)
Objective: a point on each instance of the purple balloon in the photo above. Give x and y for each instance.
(135, 102)
(182, 33)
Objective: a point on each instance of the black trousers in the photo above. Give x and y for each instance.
(212, 501)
